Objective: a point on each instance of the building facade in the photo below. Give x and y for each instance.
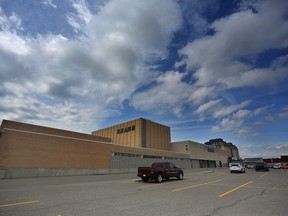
(201, 155)
(28, 150)
(229, 147)
(141, 133)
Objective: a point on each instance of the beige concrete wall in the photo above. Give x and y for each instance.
(146, 151)
(200, 151)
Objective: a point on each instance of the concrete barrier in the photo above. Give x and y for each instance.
(46, 172)
(2, 174)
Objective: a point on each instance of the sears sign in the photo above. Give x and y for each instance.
(125, 130)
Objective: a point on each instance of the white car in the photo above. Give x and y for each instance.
(237, 167)
(277, 166)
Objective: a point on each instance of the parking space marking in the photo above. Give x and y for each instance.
(264, 174)
(234, 189)
(19, 203)
(255, 187)
(167, 183)
(192, 186)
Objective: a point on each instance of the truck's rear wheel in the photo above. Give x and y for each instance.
(159, 178)
(180, 176)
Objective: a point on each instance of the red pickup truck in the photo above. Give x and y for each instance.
(160, 170)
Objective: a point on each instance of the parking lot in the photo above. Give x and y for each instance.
(203, 192)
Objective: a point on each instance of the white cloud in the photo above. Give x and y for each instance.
(104, 63)
(217, 63)
(218, 57)
(49, 3)
(284, 113)
(256, 77)
(282, 147)
(230, 109)
(169, 93)
(9, 40)
(81, 18)
(242, 114)
(228, 124)
(200, 94)
(265, 120)
(10, 23)
(208, 106)
(103, 68)
(137, 25)
(236, 122)
(63, 115)
(263, 150)
(246, 132)
(263, 109)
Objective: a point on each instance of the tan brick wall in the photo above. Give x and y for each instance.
(29, 146)
(47, 130)
(118, 135)
(157, 136)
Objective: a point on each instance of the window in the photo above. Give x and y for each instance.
(172, 166)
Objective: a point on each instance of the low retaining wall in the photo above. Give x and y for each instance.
(46, 172)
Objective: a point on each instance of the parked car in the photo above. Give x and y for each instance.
(277, 166)
(261, 166)
(285, 166)
(270, 165)
(237, 167)
(250, 166)
(159, 171)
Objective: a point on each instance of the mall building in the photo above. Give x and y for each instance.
(28, 150)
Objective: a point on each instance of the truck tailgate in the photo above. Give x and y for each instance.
(144, 170)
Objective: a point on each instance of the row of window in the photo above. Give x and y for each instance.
(120, 154)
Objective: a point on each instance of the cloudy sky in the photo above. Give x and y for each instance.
(208, 69)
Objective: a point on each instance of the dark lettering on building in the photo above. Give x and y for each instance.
(125, 130)
(210, 149)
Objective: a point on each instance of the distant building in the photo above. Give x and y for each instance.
(282, 159)
(207, 156)
(253, 160)
(229, 147)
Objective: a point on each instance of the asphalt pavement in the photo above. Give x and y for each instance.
(205, 191)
